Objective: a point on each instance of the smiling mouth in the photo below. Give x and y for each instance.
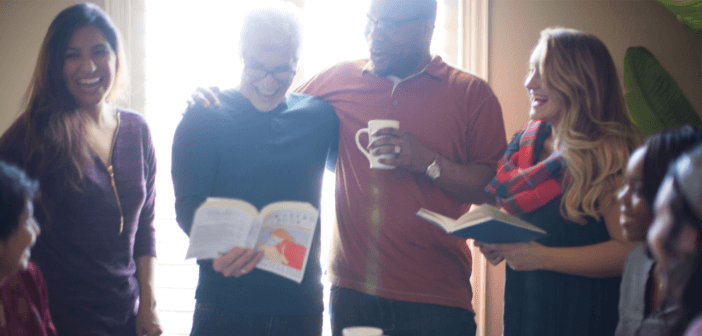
(89, 83)
(268, 95)
(538, 101)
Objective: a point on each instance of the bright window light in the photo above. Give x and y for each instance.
(191, 44)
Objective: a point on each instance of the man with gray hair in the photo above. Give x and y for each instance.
(261, 144)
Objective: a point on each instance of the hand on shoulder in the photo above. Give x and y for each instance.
(204, 96)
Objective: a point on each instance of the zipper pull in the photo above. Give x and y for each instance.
(119, 205)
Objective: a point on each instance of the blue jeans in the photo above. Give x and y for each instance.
(210, 320)
(353, 308)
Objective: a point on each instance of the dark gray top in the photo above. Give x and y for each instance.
(632, 300)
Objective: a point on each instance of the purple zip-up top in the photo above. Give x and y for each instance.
(89, 266)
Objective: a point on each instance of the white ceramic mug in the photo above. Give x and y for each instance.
(362, 331)
(374, 126)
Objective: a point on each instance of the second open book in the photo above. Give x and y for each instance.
(282, 230)
(486, 224)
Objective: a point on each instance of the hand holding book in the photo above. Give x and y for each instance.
(237, 262)
(238, 237)
(491, 252)
(499, 236)
(519, 256)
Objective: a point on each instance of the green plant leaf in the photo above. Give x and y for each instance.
(654, 98)
(689, 12)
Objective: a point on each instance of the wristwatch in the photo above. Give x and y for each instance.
(434, 170)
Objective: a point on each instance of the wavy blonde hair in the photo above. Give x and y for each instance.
(595, 131)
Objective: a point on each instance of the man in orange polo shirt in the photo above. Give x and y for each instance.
(390, 268)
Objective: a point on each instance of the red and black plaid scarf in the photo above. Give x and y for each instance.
(522, 184)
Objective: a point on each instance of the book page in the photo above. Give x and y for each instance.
(286, 237)
(220, 202)
(516, 221)
(441, 221)
(487, 212)
(217, 229)
(287, 205)
(486, 224)
(475, 216)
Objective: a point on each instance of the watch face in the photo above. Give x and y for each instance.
(433, 171)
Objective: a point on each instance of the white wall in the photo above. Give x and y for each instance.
(514, 30)
(23, 24)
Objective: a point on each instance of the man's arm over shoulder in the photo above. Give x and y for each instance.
(485, 136)
(328, 80)
(333, 154)
(333, 129)
(322, 114)
(194, 163)
(486, 128)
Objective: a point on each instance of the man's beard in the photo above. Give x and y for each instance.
(400, 66)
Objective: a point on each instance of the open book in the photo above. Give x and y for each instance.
(486, 224)
(282, 230)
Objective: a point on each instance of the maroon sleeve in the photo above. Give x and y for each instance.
(313, 86)
(145, 240)
(486, 132)
(43, 304)
(326, 82)
(35, 291)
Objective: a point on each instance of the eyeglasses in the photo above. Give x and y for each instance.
(391, 25)
(279, 75)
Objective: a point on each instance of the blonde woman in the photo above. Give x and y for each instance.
(561, 173)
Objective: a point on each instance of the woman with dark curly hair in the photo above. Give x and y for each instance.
(24, 309)
(638, 312)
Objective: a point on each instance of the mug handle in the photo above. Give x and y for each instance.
(358, 142)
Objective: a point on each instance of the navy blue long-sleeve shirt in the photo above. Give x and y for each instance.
(236, 151)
